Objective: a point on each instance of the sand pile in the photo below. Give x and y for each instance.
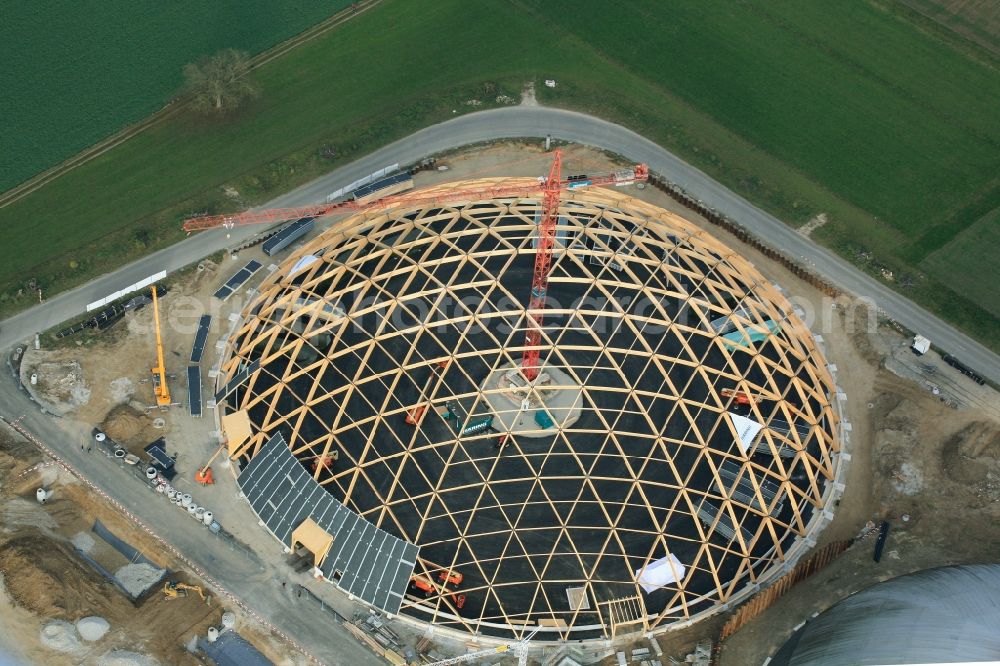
(126, 658)
(50, 580)
(92, 628)
(83, 542)
(124, 422)
(60, 636)
(137, 578)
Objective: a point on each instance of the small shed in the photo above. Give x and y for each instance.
(317, 540)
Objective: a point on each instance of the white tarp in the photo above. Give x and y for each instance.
(111, 298)
(746, 430)
(660, 573)
(304, 262)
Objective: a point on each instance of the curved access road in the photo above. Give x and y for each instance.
(523, 122)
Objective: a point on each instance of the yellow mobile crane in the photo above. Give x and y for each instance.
(160, 389)
(518, 649)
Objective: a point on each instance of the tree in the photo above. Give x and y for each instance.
(220, 83)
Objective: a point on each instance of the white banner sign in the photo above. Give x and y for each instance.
(111, 298)
(361, 181)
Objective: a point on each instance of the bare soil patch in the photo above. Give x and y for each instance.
(46, 580)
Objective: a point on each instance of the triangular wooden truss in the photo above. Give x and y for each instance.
(347, 346)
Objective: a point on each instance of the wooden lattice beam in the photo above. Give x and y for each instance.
(625, 483)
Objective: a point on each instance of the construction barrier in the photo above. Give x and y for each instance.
(715, 217)
(761, 601)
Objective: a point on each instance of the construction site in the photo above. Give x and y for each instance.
(510, 406)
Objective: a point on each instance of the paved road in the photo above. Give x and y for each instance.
(525, 121)
(254, 581)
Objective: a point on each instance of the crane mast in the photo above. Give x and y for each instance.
(543, 262)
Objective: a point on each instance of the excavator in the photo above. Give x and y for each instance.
(174, 590)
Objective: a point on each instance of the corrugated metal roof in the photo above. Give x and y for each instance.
(948, 614)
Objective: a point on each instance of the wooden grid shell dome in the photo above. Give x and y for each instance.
(655, 322)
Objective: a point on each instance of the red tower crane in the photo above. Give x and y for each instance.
(639, 172)
(543, 262)
(550, 187)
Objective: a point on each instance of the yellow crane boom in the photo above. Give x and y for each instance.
(160, 389)
(519, 648)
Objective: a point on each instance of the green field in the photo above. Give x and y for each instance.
(75, 72)
(804, 108)
(971, 262)
(976, 20)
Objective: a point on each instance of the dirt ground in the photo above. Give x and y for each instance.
(45, 579)
(938, 468)
(912, 454)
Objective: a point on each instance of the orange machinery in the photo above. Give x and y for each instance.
(742, 397)
(430, 588)
(415, 414)
(450, 577)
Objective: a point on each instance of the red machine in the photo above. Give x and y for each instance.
(424, 585)
(543, 261)
(452, 578)
(742, 397)
(430, 589)
(325, 462)
(551, 192)
(204, 476)
(416, 414)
